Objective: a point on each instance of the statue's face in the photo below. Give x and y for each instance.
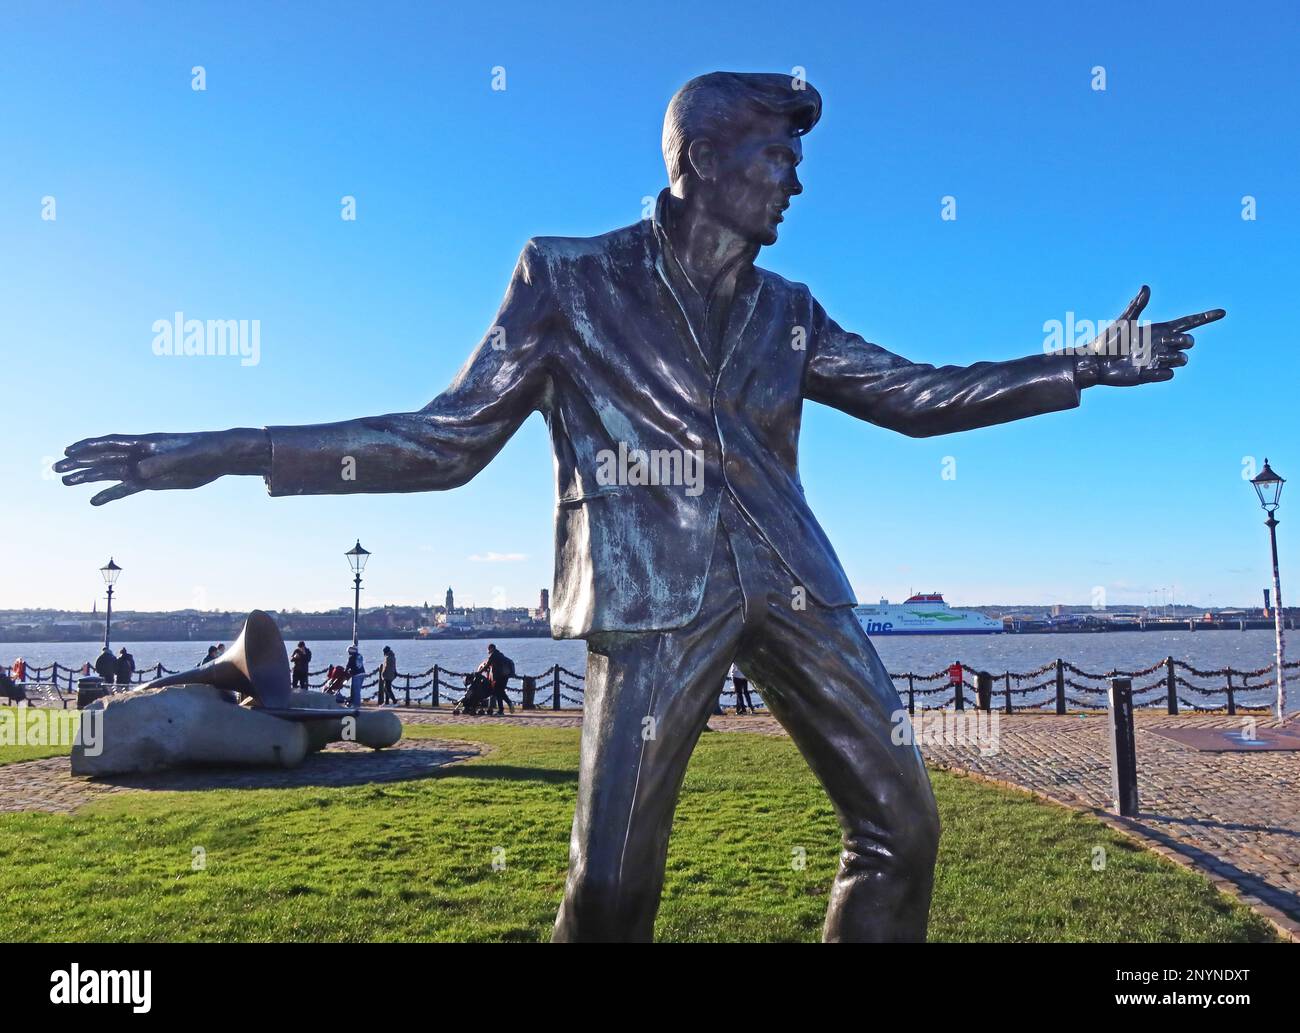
(754, 179)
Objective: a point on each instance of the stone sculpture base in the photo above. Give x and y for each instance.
(196, 726)
(374, 728)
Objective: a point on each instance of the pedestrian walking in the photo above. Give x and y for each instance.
(387, 674)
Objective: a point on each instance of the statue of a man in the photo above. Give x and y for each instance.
(672, 372)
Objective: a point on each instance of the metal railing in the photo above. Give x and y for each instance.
(1063, 685)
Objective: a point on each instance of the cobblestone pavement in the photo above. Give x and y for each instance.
(46, 785)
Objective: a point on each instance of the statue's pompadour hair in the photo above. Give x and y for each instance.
(723, 103)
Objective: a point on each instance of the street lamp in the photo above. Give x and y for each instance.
(109, 571)
(1268, 486)
(357, 557)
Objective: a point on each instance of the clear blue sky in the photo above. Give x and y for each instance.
(225, 204)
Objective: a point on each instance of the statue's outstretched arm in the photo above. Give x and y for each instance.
(440, 446)
(921, 400)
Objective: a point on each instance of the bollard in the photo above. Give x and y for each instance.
(1232, 702)
(911, 694)
(1060, 686)
(1006, 693)
(530, 692)
(1123, 753)
(408, 690)
(1171, 686)
(984, 690)
(433, 700)
(555, 687)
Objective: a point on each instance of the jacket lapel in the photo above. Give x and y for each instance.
(742, 310)
(676, 285)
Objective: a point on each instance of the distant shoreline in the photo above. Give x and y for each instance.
(490, 634)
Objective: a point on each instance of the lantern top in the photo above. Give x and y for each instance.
(357, 557)
(1268, 486)
(110, 571)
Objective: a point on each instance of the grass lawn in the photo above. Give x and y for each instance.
(12, 754)
(414, 860)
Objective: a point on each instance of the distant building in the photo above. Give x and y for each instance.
(451, 600)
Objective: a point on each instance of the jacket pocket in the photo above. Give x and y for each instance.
(588, 496)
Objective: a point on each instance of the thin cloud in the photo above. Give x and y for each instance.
(499, 557)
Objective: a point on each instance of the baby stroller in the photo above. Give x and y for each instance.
(478, 695)
(335, 678)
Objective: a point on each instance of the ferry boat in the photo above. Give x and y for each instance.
(923, 615)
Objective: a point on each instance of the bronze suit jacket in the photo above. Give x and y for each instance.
(593, 333)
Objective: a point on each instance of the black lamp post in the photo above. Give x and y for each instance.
(110, 571)
(357, 557)
(1268, 486)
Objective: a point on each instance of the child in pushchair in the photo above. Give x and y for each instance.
(335, 678)
(478, 695)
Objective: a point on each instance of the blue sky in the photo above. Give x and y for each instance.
(225, 203)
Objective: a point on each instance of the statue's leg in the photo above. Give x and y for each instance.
(823, 680)
(647, 698)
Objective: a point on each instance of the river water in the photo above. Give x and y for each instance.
(923, 654)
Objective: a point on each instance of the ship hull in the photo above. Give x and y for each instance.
(924, 615)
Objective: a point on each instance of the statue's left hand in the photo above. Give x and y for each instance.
(157, 462)
(1130, 353)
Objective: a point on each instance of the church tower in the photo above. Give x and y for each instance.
(451, 600)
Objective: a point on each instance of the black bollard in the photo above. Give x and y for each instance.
(1123, 753)
(984, 690)
(530, 692)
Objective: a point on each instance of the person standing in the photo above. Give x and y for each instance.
(300, 661)
(741, 684)
(106, 665)
(500, 669)
(124, 669)
(387, 674)
(356, 670)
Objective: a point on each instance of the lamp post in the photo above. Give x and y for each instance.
(357, 557)
(1268, 486)
(109, 571)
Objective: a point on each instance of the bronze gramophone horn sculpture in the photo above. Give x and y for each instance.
(256, 665)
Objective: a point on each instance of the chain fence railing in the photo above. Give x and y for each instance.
(1060, 685)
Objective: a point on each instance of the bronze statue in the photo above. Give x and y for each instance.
(672, 371)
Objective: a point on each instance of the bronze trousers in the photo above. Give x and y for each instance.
(648, 698)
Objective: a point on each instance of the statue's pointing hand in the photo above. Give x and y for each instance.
(1131, 351)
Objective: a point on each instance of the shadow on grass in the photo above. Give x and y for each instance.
(509, 773)
(329, 769)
